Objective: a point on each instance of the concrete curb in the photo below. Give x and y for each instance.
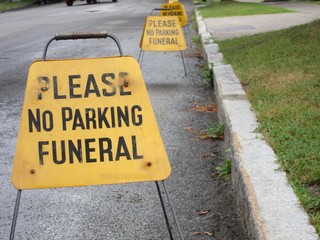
(267, 204)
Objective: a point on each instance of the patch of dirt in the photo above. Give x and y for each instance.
(213, 213)
(218, 215)
(203, 108)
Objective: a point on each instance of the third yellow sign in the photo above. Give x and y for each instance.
(177, 9)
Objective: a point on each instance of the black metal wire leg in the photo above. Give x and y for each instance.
(15, 215)
(164, 211)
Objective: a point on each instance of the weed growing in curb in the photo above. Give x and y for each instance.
(207, 76)
(215, 131)
(197, 40)
(225, 170)
(194, 22)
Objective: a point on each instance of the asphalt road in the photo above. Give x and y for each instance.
(204, 203)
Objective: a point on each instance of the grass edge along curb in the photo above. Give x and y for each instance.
(256, 224)
(286, 101)
(233, 8)
(8, 6)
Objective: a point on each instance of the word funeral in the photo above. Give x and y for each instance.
(78, 122)
(163, 32)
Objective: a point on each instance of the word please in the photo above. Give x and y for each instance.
(85, 86)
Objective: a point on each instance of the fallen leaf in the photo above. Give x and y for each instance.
(196, 53)
(202, 212)
(205, 155)
(203, 233)
(189, 129)
(206, 108)
(203, 136)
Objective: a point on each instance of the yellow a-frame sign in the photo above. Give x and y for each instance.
(162, 33)
(177, 9)
(87, 122)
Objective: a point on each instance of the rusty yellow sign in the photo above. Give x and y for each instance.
(162, 33)
(177, 9)
(87, 122)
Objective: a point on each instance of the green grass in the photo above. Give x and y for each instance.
(280, 72)
(215, 130)
(7, 5)
(199, 1)
(231, 8)
(225, 169)
(207, 76)
(196, 39)
(313, 2)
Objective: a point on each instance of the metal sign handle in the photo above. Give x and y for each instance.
(81, 35)
(162, 9)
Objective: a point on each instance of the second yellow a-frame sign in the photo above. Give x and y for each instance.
(87, 122)
(162, 33)
(176, 9)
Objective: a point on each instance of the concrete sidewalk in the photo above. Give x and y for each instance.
(230, 27)
(267, 204)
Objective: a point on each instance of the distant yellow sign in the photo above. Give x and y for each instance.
(162, 33)
(177, 9)
(87, 122)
